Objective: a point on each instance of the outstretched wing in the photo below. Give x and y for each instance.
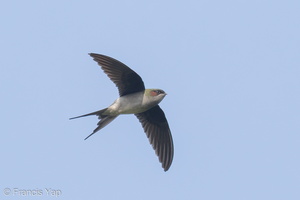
(158, 132)
(127, 80)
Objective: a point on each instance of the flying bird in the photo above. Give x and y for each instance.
(135, 99)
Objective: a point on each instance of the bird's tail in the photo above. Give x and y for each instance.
(99, 113)
(104, 120)
(102, 123)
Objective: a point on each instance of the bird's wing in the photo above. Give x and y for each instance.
(158, 132)
(127, 80)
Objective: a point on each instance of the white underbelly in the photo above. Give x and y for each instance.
(130, 104)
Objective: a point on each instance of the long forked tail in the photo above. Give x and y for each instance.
(104, 120)
(102, 123)
(99, 113)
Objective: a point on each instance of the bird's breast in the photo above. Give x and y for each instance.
(131, 104)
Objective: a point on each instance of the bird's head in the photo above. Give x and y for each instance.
(155, 95)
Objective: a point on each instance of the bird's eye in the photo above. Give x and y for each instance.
(156, 92)
(160, 92)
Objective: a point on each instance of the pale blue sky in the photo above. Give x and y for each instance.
(232, 73)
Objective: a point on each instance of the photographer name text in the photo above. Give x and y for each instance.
(32, 192)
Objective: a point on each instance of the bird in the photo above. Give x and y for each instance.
(135, 99)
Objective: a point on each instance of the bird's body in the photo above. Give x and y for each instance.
(135, 99)
(133, 103)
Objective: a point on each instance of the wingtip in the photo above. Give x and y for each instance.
(166, 168)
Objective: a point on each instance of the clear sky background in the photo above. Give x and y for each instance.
(232, 73)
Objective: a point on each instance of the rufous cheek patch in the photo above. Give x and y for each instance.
(153, 93)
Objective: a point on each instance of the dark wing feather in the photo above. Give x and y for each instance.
(158, 132)
(127, 80)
